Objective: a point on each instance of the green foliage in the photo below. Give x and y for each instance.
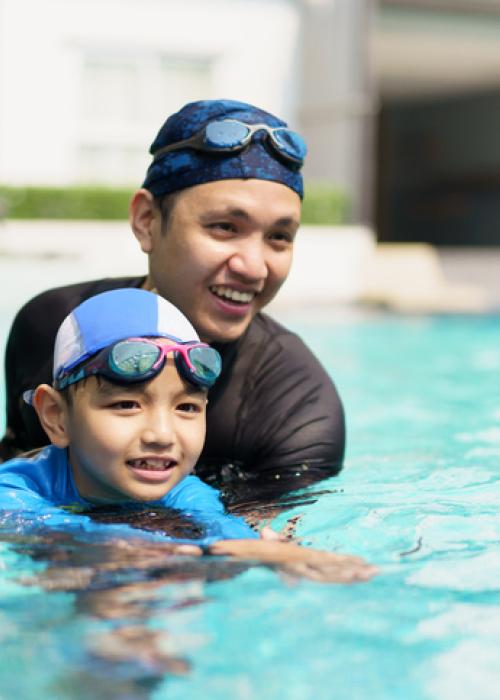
(322, 204)
(64, 202)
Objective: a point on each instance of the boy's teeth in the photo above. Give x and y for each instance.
(152, 464)
(232, 294)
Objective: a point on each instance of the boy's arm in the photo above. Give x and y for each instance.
(327, 567)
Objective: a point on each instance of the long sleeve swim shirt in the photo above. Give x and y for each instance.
(38, 492)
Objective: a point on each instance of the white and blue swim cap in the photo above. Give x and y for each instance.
(112, 316)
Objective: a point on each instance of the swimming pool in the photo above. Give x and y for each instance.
(419, 497)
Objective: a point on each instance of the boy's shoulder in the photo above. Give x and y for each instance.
(31, 461)
(196, 499)
(42, 472)
(193, 494)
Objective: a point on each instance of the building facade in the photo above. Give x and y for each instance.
(398, 99)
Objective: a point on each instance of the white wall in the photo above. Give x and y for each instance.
(56, 116)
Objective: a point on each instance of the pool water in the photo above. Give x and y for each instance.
(419, 496)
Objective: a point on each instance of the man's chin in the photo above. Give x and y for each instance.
(224, 332)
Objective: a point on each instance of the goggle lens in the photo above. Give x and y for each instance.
(290, 143)
(207, 364)
(225, 134)
(133, 359)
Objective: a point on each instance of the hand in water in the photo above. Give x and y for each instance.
(327, 567)
(286, 533)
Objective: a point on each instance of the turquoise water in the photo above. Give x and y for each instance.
(418, 496)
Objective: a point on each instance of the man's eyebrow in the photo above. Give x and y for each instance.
(237, 213)
(287, 221)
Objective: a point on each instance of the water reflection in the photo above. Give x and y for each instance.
(127, 588)
(121, 591)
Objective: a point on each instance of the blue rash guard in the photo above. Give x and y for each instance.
(39, 492)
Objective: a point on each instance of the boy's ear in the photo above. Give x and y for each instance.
(52, 412)
(143, 214)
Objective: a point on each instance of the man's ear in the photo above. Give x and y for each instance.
(52, 412)
(144, 214)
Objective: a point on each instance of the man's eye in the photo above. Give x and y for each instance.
(226, 226)
(282, 237)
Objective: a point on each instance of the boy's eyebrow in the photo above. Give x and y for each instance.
(196, 390)
(108, 388)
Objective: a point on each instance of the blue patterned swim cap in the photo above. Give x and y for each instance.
(186, 167)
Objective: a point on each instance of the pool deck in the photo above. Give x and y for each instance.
(334, 268)
(476, 266)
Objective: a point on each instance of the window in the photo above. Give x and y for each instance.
(125, 99)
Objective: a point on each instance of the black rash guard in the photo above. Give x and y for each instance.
(275, 422)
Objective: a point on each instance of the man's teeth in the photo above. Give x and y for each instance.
(232, 294)
(151, 464)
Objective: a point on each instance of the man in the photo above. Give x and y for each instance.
(217, 216)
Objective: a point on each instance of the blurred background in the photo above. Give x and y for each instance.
(399, 101)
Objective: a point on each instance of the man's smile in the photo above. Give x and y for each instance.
(229, 293)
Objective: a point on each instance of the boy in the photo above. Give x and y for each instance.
(126, 419)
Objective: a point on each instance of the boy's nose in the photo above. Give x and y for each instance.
(158, 429)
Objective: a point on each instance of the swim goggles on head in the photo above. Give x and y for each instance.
(232, 135)
(139, 359)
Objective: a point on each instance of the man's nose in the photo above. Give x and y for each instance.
(249, 260)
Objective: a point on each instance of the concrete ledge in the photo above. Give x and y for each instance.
(339, 266)
(330, 265)
(410, 278)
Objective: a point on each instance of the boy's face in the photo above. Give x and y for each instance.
(135, 442)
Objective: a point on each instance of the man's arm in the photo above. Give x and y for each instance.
(28, 362)
(28, 356)
(275, 422)
(326, 567)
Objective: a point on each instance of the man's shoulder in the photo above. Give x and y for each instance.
(41, 316)
(264, 329)
(266, 325)
(272, 337)
(67, 297)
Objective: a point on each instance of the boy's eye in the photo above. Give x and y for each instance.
(189, 407)
(125, 405)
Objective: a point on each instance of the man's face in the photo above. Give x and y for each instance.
(135, 442)
(224, 252)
